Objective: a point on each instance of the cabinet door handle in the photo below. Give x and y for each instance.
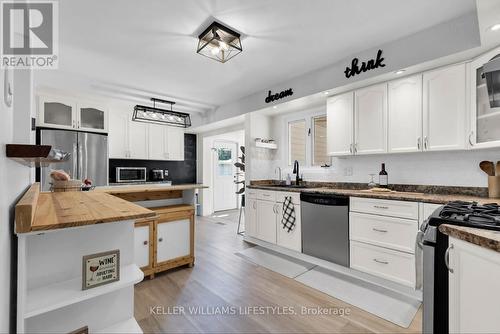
(447, 258)
(160, 239)
(381, 261)
(426, 143)
(418, 143)
(470, 138)
(350, 148)
(381, 207)
(254, 205)
(145, 242)
(379, 230)
(355, 148)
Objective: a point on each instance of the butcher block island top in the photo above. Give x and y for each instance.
(42, 211)
(148, 192)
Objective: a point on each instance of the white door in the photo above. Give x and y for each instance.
(175, 143)
(292, 239)
(370, 120)
(141, 246)
(225, 156)
(138, 140)
(405, 115)
(251, 217)
(339, 124)
(474, 288)
(444, 109)
(173, 240)
(156, 142)
(266, 221)
(118, 135)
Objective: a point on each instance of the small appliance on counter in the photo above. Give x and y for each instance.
(130, 174)
(434, 245)
(156, 175)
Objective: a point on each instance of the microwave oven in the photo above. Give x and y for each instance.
(130, 174)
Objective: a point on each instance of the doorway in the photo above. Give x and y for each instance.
(225, 175)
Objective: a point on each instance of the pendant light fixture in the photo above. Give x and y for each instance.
(161, 116)
(218, 42)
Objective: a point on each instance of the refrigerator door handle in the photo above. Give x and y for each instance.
(74, 172)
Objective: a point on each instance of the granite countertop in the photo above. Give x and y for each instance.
(481, 237)
(393, 195)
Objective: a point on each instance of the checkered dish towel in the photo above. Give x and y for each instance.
(288, 218)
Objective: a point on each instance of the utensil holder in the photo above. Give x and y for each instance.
(494, 186)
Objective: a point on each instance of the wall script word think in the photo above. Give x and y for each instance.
(365, 66)
(273, 97)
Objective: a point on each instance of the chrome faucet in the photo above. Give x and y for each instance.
(296, 172)
(279, 170)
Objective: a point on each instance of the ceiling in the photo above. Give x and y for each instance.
(150, 45)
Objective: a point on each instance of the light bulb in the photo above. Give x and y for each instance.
(215, 51)
(223, 46)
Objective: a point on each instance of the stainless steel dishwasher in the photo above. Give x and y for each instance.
(325, 227)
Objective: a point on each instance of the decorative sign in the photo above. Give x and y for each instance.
(365, 66)
(101, 268)
(273, 97)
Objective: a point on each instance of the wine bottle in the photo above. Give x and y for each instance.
(383, 177)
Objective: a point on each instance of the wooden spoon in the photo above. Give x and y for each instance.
(497, 169)
(488, 167)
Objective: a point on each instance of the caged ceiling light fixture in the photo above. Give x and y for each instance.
(161, 116)
(219, 43)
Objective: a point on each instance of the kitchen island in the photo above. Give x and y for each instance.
(55, 231)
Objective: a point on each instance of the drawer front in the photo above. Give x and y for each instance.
(280, 197)
(392, 265)
(390, 232)
(267, 195)
(252, 193)
(401, 209)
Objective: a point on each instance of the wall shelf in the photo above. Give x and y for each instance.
(31, 155)
(269, 146)
(61, 294)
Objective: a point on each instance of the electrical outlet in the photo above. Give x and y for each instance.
(348, 171)
(166, 172)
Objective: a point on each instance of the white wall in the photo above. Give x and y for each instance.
(452, 168)
(14, 179)
(206, 162)
(259, 162)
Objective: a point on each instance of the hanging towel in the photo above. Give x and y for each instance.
(288, 218)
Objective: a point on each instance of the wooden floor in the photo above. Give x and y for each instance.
(222, 282)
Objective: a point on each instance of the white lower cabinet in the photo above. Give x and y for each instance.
(141, 246)
(474, 287)
(173, 240)
(263, 215)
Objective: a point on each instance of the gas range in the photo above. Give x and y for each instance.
(470, 214)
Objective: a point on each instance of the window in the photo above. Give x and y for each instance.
(297, 141)
(320, 157)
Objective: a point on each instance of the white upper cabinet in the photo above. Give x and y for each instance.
(484, 129)
(71, 114)
(370, 120)
(444, 100)
(405, 115)
(340, 117)
(157, 144)
(175, 144)
(138, 140)
(92, 117)
(118, 135)
(56, 112)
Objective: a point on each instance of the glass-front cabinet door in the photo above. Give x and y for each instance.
(56, 112)
(485, 117)
(92, 117)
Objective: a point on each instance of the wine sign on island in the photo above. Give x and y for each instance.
(101, 268)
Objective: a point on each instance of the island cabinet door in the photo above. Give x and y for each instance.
(143, 244)
(173, 240)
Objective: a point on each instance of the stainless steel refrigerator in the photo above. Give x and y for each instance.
(89, 155)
